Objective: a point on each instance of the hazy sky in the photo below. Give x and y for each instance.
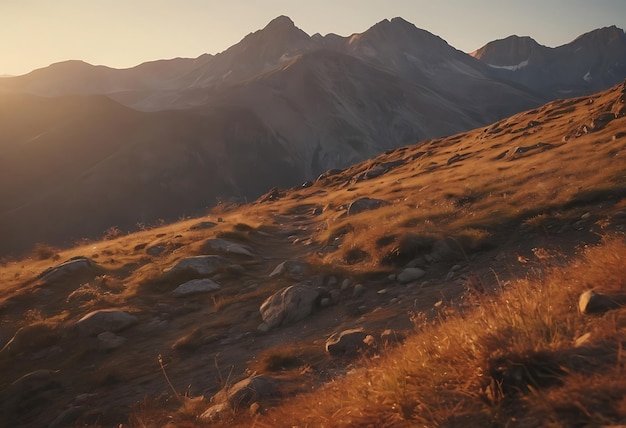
(124, 33)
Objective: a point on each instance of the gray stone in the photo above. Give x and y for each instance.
(100, 321)
(79, 268)
(591, 302)
(225, 246)
(326, 302)
(31, 338)
(109, 340)
(203, 225)
(359, 289)
(200, 265)
(347, 343)
(289, 305)
(196, 286)
(293, 268)
(155, 250)
(410, 275)
(67, 417)
(345, 284)
(365, 204)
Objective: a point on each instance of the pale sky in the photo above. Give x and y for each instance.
(125, 33)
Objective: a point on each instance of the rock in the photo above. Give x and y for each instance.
(332, 281)
(591, 302)
(241, 395)
(30, 392)
(100, 321)
(226, 246)
(347, 343)
(601, 120)
(335, 295)
(345, 284)
(155, 250)
(67, 417)
(328, 174)
(263, 328)
(109, 340)
(78, 268)
(293, 268)
(359, 289)
(203, 225)
(365, 204)
(31, 338)
(289, 305)
(326, 302)
(410, 275)
(200, 265)
(196, 286)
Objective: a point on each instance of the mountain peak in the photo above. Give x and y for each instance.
(510, 51)
(282, 28)
(281, 21)
(605, 35)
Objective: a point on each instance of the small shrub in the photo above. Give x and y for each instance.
(112, 233)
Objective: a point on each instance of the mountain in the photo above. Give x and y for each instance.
(449, 264)
(81, 164)
(172, 137)
(592, 62)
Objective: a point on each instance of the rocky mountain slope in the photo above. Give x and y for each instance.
(284, 292)
(590, 63)
(109, 148)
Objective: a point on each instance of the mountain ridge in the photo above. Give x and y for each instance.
(299, 104)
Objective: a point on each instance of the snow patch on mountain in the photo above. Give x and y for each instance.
(510, 67)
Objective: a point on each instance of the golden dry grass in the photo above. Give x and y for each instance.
(512, 359)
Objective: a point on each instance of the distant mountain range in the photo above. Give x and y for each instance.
(591, 63)
(84, 148)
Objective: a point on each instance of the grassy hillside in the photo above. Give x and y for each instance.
(503, 228)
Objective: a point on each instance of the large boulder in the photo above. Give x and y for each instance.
(112, 320)
(289, 305)
(196, 286)
(200, 265)
(225, 246)
(365, 204)
(78, 268)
